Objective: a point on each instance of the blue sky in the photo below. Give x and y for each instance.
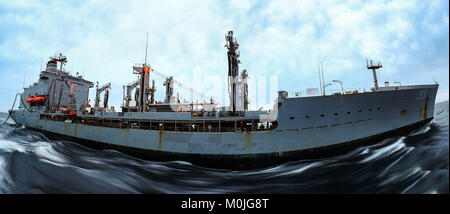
(287, 39)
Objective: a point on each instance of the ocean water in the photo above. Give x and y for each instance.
(415, 163)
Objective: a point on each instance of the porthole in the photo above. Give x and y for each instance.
(360, 111)
(348, 112)
(292, 118)
(307, 117)
(335, 114)
(378, 108)
(322, 115)
(370, 109)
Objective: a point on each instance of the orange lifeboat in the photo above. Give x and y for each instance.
(35, 99)
(39, 99)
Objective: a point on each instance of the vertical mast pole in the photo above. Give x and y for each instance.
(146, 45)
(323, 80)
(320, 79)
(143, 75)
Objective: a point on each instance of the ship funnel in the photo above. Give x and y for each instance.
(51, 65)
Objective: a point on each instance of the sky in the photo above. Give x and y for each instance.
(285, 40)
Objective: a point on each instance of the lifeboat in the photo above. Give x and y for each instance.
(35, 99)
(39, 99)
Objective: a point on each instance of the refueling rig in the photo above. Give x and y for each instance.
(237, 88)
(58, 90)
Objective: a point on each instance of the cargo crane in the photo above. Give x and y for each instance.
(127, 92)
(99, 91)
(127, 89)
(169, 89)
(152, 92)
(105, 99)
(244, 88)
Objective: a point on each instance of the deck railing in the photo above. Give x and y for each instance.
(329, 92)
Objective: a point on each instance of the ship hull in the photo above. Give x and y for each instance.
(310, 125)
(239, 162)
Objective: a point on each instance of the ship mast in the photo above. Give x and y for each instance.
(144, 71)
(233, 68)
(374, 68)
(61, 59)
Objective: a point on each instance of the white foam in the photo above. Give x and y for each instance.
(413, 184)
(298, 171)
(10, 146)
(385, 151)
(395, 162)
(421, 130)
(46, 153)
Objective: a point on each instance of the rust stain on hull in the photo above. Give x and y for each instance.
(66, 127)
(126, 131)
(402, 114)
(160, 135)
(425, 116)
(248, 139)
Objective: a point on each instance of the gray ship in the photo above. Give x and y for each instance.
(220, 136)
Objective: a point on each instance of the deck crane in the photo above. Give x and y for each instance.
(129, 87)
(99, 91)
(169, 89)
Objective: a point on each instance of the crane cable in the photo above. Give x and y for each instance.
(9, 112)
(181, 84)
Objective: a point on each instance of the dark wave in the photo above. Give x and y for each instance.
(414, 163)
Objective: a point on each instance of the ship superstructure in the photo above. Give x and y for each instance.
(226, 136)
(56, 90)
